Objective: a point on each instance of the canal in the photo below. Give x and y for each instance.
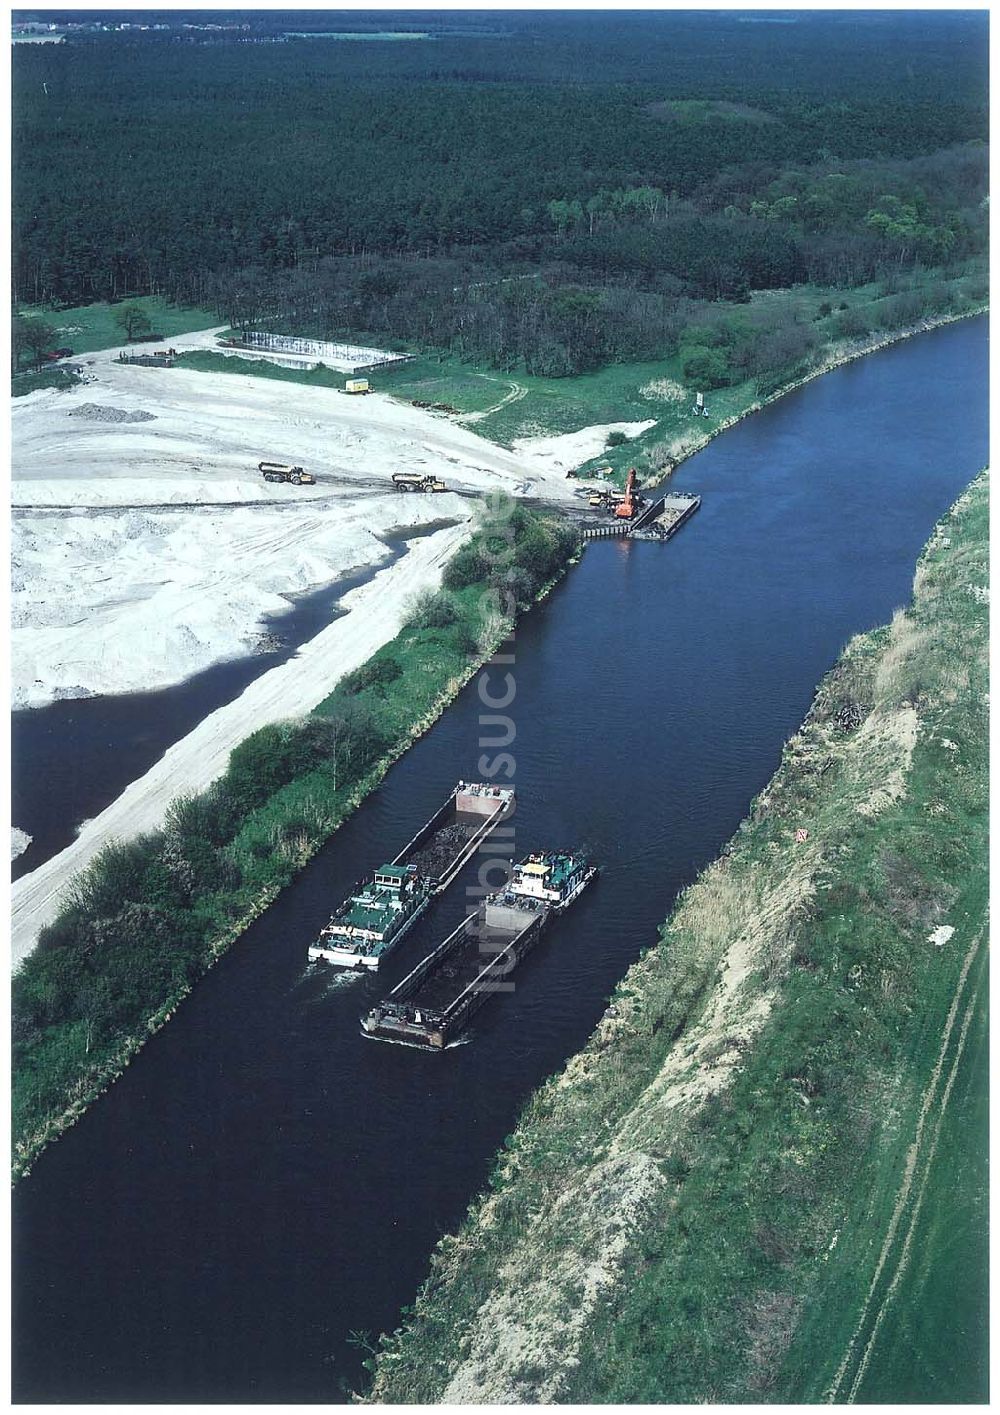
(264, 1183)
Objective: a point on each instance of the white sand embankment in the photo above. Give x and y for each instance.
(570, 450)
(140, 596)
(125, 601)
(377, 611)
(19, 841)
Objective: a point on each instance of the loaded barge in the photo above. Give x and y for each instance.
(381, 910)
(433, 1003)
(660, 520)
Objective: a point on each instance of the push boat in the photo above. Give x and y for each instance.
(379, 912)
(434, 1002)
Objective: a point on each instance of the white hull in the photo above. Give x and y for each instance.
(343, 956)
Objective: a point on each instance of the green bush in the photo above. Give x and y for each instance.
(433, 611)
(705, 368)
(377, 674)
(468, 566)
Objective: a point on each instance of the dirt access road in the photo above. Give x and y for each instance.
(208, 431)
(186, 556)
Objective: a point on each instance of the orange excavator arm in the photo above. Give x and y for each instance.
(627, 507)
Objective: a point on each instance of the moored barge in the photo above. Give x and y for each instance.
(434, 1002)
(380, 911)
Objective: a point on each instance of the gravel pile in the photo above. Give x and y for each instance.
(97, 413)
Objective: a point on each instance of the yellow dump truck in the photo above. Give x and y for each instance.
(413, 481)
(284, 471)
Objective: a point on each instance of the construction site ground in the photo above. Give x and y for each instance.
(146, 546)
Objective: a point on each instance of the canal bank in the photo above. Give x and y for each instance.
(279, 1171)
(72, 758)
(716, 1197)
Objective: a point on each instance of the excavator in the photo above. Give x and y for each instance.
(629, 504)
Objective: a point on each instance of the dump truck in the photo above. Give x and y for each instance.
(284, 471)
(357, 385)
(413, 481)
(606, 499)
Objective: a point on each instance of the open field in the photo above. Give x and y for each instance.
(86, 328)
(763, 1179)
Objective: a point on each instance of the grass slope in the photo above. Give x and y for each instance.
(89, 327)
(763, 1179)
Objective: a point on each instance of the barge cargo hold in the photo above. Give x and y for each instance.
(434, 1002)
(379, 912)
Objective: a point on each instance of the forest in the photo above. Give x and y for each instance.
(543, 195)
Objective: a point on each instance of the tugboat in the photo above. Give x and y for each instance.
(432, 1005)
(372, 921)
(378, 913)
(552, 878)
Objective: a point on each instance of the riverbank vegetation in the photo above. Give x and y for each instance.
(764, 1178)
(150, 915)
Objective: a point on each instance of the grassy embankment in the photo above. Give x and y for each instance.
(845, 323)
(764, 1178)
(149, 916)
(91, 327)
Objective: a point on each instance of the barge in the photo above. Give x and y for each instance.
(381, 910)
(658, 521)
(666, 516)
(434, 1002)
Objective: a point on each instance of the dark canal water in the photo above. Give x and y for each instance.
(264, 1181)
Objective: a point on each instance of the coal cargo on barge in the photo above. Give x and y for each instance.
(434, 1002)
(381, 910)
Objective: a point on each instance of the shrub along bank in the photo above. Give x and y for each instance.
(150, 915)
(764, 1177)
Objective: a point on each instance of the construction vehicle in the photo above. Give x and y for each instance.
(357, 385)
(284, 471)
(606, 499)
(629, 505)
(413, 481)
